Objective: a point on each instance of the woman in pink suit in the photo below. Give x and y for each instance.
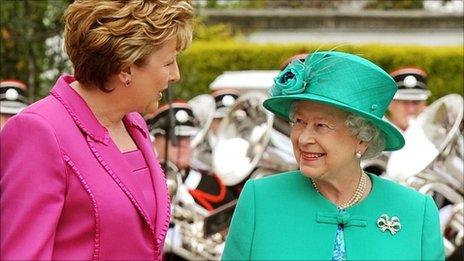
(79, 178)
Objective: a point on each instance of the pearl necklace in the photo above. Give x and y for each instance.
(357, 196)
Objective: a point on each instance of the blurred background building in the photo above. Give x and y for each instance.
(426, 22)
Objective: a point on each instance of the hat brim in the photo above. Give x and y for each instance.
(185, 131)
(411, 96)
(181, 131)
(281, 105)
(11, 107)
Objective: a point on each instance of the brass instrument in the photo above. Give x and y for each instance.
(247, 143)
(186, 237)
(203, 107)
(432, 163)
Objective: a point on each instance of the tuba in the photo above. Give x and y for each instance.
(203, 107)
(248, 145)
(173, 178)
(451, 214)
(432, 163)
(187, 237)
(433, 149)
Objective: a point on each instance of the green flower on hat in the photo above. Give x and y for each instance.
(291, 80)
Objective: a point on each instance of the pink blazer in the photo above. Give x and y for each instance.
(62, 192)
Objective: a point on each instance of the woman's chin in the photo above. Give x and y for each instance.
(151, 108)
(311, 172)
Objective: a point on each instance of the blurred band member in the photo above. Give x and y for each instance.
(410, 99)
(205, 187)
(13, 99)
(179, 143)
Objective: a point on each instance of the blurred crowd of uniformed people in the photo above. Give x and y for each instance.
(174, 124)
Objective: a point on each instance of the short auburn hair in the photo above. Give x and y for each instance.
(102, 37)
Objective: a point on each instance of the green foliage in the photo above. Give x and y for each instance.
(395, 4)
(25, 26)
(249, 4)
(204, 61)
(216, 32)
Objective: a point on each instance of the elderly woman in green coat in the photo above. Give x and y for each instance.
(330, 209)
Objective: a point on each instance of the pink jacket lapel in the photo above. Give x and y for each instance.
(141, 136)
(114, 163)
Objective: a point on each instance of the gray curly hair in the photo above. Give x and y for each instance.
(368, 132)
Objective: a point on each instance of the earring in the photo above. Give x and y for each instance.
(358, 154)
(128, 82)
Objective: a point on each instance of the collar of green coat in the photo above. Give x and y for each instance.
(342, 217)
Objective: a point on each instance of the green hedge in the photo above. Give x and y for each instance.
(204, 61)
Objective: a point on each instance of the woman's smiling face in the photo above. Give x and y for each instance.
(322, 144)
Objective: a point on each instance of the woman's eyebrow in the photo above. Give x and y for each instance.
(317, 117)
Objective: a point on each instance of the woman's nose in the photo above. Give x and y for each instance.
(174, 74)
(306, 136)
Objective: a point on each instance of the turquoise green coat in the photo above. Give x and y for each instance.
(282, 217)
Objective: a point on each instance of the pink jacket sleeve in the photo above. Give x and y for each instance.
(33, 187)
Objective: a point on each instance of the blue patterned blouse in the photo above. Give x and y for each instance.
(339, 252)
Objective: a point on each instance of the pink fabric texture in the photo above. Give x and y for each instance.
(141, 175)
(65, 192)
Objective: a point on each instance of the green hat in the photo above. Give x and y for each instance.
(345, 81)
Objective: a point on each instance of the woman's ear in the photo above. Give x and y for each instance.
(362, 146)
(125, 76)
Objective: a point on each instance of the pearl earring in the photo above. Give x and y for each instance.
(358, 154)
